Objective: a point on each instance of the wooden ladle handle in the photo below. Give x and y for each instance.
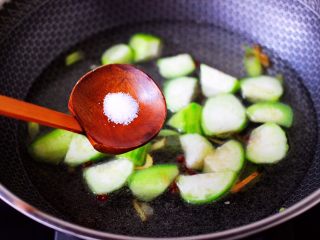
(21, 110)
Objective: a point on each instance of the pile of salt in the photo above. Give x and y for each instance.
(120, 108)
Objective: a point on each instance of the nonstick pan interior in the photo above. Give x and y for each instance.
(39, 74)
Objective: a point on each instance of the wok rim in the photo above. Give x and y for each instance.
(87, 233)
(79, 231)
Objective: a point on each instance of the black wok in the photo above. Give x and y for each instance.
(35, 36)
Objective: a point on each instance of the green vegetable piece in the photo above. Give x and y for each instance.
(33, 129)
(282, 209)
(73, 58)
(228, 157)
(138, 155)
(187, 120)
(179, 92)
(149, 183)
(51, 147)
(196, 148)
(275, 112)
(120, 53)
(262, 88)
(214, 82)
(205, 187)
(81, 151)
(222, 115)
(109, 176)
(253, 66)
(145, 46)
(267, 144)
(176, 66)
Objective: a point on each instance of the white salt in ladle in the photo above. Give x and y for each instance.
(117, 106)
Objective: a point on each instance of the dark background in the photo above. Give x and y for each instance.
(14, 226)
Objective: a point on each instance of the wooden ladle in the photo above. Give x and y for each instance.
(86, 107)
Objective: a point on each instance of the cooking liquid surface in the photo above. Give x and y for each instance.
(65, 190)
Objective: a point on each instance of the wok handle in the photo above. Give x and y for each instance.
(13, 108)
